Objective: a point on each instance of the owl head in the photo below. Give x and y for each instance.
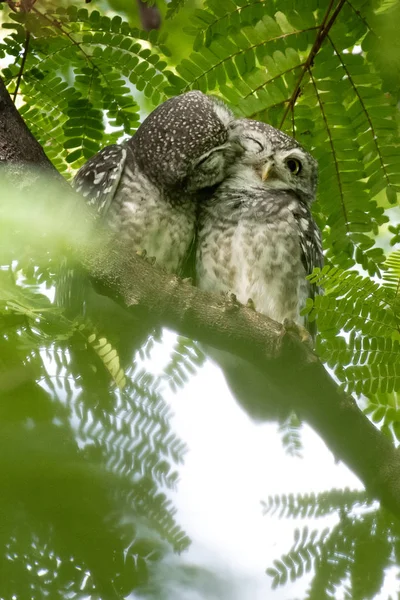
(271, 159)
(183, 142)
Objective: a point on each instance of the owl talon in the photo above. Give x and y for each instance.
(250, 304)
(299, 331)
(233, 299)
(142, 253)
(231, 303)
(188, 280)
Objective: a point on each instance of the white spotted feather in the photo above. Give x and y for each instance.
(145, 189)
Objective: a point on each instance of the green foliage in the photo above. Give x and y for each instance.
(70, 437)
(173, 7)
(75, 72)
(185, 360)
(362, 543)
(313, 505)
(358, 321)
(290, 430)
(391, 276)
(109, 357)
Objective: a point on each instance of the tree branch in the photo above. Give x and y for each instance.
(22, 67)
(323, 31)
(17, 144)
(239, 330)
(150, 16)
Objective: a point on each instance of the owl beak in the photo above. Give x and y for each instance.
(267, 171)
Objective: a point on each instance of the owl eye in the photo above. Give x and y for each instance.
(252, 145)
(294, 165)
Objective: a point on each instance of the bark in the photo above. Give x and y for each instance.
(224, 324)
(17, 145)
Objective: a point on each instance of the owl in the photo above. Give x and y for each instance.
(257, 238)
(144, 189)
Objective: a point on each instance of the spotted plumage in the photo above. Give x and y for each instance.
(145, 189)
(257, 239)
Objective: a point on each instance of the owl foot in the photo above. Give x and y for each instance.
(299, 331)
(143, 254)
(188, 280)
(231, 303)
(250, 304)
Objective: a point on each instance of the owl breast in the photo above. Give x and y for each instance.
(258, 259)
(145, 218)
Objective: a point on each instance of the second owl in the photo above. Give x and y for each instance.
(258, 239)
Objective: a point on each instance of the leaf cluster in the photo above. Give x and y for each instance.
(358, 320)
(323, 71)
(88, 453)
(75, 72)
(352, 553)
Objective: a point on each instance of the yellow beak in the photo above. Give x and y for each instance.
(267, 171)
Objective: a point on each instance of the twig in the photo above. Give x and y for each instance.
(150, 16)
(21, 69)
(322, 33)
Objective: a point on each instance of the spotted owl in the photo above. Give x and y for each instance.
(257, 238)
(145, 188)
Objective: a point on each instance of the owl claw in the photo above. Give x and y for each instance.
(231, 303)
(299, 331)
(143, 254)
(188, 280)
(250, 304)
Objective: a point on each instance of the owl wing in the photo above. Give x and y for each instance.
(310, 242)
(98, 179)
(311, 251)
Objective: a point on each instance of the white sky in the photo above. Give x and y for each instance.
(231, 466)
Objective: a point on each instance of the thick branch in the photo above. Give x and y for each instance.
(17, 144)
(238, 330)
